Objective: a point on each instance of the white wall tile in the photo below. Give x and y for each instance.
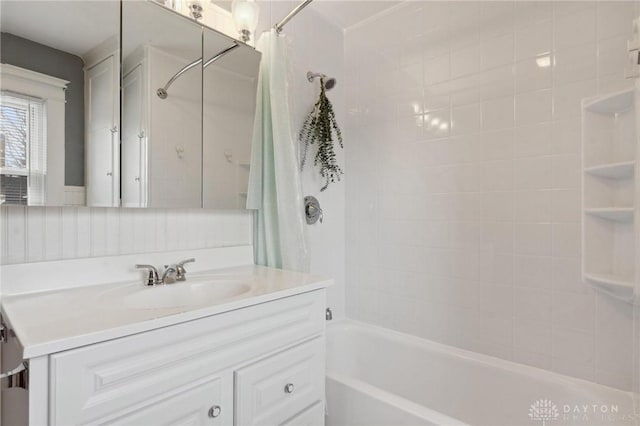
(465, 119)
(498, 206)
(496, 268)
(613, 18)
(533, 140)
(497, 51)
(568, 97)
(533, 73)
(498, 194)
(572, 352)
(532, 271)
(566, 205)
(497, 145)
(575, 64)
(533, 107)
(571, 29)
(566, 172)
(533, 239)
(567, 275)
(498, 113)
(532, 337)
(532, 12)
(533, 40)
(532, 304)
(573, 310)
(612, 56)
(497, 176)
(497, 236)
(465, 61)
(566, 240)
(533, 173)
(533, 206)
(437, 69)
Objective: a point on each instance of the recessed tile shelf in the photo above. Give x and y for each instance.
(610, 194)
(621, 170)
(616, 214)
(617, 287)
(612, 104)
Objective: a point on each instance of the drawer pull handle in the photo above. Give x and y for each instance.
(215, 411)
(288, 388)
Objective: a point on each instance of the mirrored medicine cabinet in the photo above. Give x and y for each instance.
(131, 104)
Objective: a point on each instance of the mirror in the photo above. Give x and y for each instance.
(59, 108)
(161, 133)
(229, 103)
(187, 123)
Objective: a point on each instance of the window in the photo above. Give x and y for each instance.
(23, 149)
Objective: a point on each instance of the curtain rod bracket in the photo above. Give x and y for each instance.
(278, 27)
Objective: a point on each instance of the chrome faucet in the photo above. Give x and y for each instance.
(172, 273)
(152, 278)
(181, 273)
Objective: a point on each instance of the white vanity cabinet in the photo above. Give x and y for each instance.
(258, 365)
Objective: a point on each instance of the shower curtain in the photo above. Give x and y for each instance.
(274, 179)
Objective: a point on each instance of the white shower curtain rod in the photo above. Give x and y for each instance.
(291, 14)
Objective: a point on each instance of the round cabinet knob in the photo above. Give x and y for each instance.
(215, 411)
(288, 388)
(109, 173)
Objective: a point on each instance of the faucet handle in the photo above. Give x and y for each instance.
(152, 278)
(180, 271)
(193, 259)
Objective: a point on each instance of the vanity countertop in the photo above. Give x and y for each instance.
(53, 321)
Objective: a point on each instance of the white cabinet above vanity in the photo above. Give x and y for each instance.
(194, 353)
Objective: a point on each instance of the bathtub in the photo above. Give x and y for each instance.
(379, 377)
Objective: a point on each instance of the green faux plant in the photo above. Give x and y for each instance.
(318, 128)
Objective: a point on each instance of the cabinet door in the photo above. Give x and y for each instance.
(207, 402)
(275, 389)
(102, 172)
(134, 139)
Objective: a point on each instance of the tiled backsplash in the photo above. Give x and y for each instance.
(51, 233)
(463, 221)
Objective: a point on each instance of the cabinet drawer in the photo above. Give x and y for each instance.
(312, 416)
(276, 388)
(206, 402)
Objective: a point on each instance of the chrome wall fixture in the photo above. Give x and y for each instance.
(312, 210)
(278, 27)
(162, 92)
(329, 82)
(195, 10)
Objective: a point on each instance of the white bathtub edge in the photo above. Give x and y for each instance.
(495, 362)
(396, 401)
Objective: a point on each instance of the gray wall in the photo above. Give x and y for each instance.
(34, 56)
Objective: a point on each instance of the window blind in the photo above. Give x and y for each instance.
(23, 149)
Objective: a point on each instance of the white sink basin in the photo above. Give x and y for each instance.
(196, 291)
